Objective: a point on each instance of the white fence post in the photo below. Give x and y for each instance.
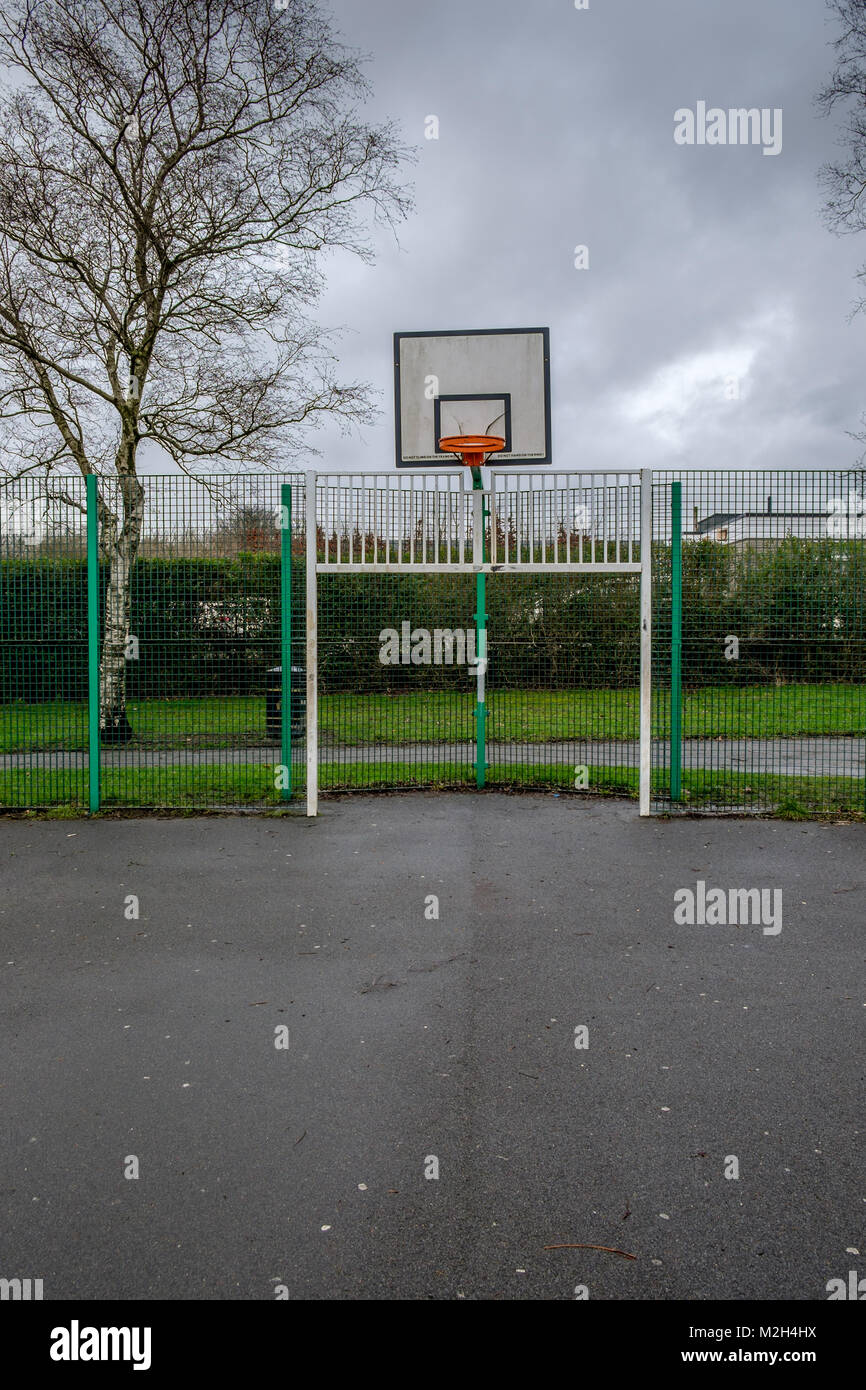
(312, 650)
(646, 622)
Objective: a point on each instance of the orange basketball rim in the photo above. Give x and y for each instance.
(474, 448)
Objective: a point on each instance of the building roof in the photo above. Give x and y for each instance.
(717, 519)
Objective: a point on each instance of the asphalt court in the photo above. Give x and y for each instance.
(414, 1037)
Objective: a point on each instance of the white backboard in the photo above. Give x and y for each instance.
(479, 381)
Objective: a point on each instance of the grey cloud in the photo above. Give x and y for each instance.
(556, 128)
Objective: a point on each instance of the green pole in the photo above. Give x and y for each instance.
(480, 705)
(286, 636)
(676, 640)
(93, 641)
(480, 647)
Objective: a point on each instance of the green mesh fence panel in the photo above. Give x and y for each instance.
(564, 670)
(396, 692)
(200, 656)
(773, 669)
(773, 642)
(43, 644)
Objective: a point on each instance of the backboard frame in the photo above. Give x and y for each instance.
(504, 428)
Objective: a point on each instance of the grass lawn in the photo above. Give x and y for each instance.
(220, 787)
(522, 716)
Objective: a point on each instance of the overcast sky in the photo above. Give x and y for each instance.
(706, 262)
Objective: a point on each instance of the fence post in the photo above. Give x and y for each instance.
(286, 636)
(676, 640)
(92, 641)
(312, 649)
(646, 619)
(480, 629)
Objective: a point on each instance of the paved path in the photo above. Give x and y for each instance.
(813, 757)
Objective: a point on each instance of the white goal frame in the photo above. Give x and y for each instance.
(335, 500)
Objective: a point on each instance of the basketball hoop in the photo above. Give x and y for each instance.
(474, 448)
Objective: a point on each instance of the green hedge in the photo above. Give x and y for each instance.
(212, 626)
(798, 608)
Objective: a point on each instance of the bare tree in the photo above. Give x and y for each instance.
(845, 180)
(248, 526)
(171, 172)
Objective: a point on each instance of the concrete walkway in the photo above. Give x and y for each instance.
(785, 757)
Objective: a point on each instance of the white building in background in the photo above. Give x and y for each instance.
(842, 519)
(22, 524)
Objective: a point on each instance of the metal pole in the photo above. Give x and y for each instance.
(480, 630)
(480, 703)
(312, 650)
(646, 619)
(286, 636)
(93, 640)
(676, 640)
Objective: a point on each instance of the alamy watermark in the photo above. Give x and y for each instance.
(729, 907)
(20, 1290)
(737, 126)
(855, 1289)
(418, 646)
(77, 1343)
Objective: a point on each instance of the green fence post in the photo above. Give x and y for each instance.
(286, 636)
(93, 641)
(481, 646)
(481, 655)
(676, 640)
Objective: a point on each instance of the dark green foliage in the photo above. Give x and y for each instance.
(211, 626)
(204, 627)
(798, 608)
(43, 629)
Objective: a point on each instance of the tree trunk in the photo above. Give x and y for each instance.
(120, 550)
